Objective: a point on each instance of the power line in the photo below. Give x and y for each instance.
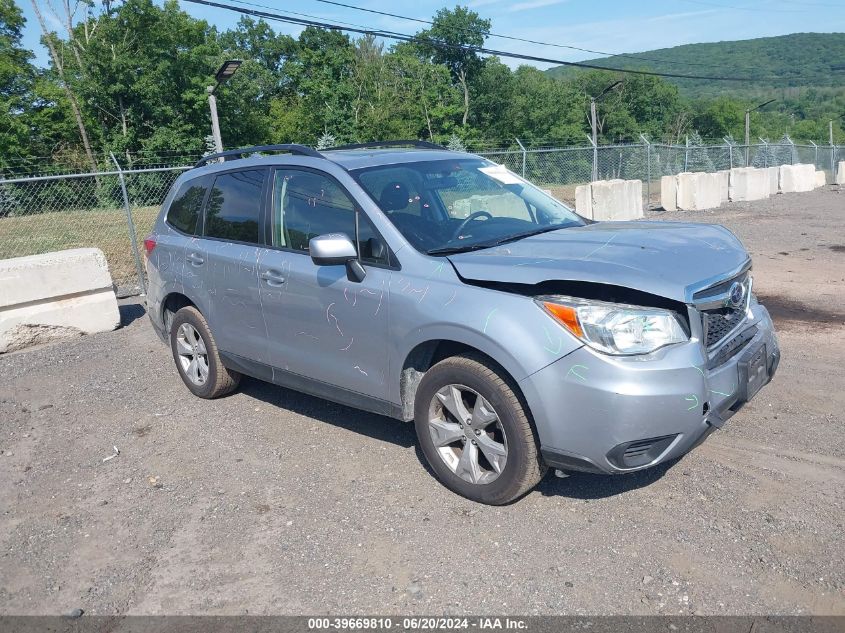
(503, 37)
(439, 44)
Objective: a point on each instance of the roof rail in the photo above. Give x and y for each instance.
(419, 144)
(233, 154)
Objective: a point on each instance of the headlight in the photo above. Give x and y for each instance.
(615, 328)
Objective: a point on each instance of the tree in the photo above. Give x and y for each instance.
(455, 144)
(698, 159)
(319, 70)
(450, 41)
(17, 78)
(719, 118)
(326, 141)
(49, 38)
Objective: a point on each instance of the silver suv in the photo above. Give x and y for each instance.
(440, 288)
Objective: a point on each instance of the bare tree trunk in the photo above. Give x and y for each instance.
(462, 79)
(425, 107)
(74, 104)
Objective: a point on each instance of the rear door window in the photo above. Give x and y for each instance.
(233, 209)
(185, 209)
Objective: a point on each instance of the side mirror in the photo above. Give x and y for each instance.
(336, 249)
(332, 249)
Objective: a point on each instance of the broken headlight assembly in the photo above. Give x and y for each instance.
(615, 328)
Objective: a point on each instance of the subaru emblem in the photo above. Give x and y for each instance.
(736, 294)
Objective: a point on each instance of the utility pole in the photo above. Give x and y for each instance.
(224, 73)
(595, 146)
(832, 150)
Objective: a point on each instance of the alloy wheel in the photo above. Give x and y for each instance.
(192, 352)
(467, 434)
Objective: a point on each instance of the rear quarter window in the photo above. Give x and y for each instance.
(184, 212)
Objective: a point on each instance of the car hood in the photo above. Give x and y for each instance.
(669, 259)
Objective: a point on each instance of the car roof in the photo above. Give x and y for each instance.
(348, 159)
(352, 159)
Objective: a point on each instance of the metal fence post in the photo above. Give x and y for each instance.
(730, 151)
(686, 153)
(647, 171)
(766, 151)
(816, 154)
(130, 225)
(524, 153)
(595, 174)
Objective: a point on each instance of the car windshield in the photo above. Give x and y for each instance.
(448, 206)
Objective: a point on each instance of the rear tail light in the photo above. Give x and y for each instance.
(149, 245)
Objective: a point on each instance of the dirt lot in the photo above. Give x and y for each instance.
(272, 502)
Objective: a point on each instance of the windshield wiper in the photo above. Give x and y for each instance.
(446, 250)
(519, 236)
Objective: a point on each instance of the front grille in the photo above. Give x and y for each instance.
(719, 323)
(732, 347)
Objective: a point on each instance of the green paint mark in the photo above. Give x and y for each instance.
(487, 322)
(439, 269)
(727, 395)
(575, 373)
(694, 399)
(699, 370)
(548, 347)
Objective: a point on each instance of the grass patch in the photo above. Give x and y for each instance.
(105, 229)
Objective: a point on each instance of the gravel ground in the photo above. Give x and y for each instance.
(271, 502)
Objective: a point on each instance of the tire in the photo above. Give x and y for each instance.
(476, 377)
(215, 380)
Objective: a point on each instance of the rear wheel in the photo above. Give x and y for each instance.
(475, 432)
(197, 357)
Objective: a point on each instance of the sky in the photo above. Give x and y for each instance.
(609, 26)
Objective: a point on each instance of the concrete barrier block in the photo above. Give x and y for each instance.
(43, 297)
(797, 178)
(724, 184)
(750, 183)
(698, 190)
(774, 179)
(821, 179)
(584, 201)
(617, 199)
(633, 200)
(669, 193)
(840, 173)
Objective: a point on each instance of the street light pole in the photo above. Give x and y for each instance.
(215, 122)
(594, 126)
(223, 74)
(748, 126)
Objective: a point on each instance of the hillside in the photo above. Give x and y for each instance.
(778, 64)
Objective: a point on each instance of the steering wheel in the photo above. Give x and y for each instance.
(470, 218)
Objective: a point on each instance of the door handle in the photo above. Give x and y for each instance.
(273, 277)
(195, 259)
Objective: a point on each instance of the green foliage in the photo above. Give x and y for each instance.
(140, 93)
(17, 78)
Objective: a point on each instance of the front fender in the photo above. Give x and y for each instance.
(511, 329)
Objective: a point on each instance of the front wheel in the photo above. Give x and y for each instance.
(475, 431)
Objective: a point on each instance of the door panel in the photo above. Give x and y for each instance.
(231, 230)
(322, 325)
(331, 329)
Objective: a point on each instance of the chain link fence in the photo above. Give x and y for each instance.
(51, 213)
(114, 209)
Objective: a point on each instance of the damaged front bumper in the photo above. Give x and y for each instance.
(616, 414)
